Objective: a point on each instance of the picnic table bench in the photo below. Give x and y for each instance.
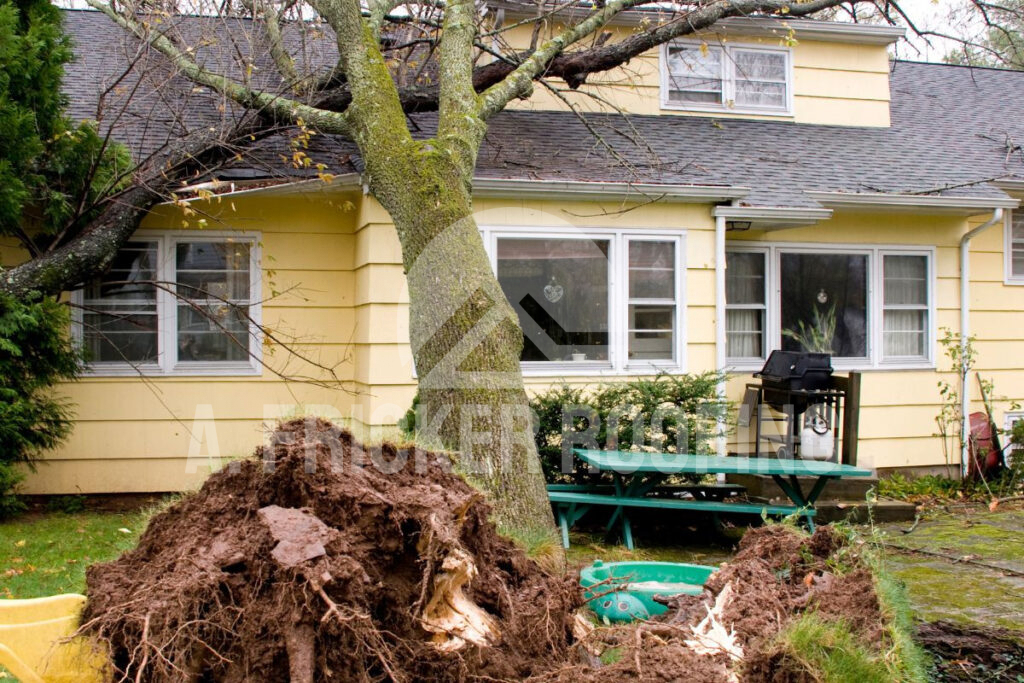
(636, 476)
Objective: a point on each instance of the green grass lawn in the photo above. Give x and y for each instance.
(47, 553)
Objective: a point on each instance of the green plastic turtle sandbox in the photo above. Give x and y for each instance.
(624, 591)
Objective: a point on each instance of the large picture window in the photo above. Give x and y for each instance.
(868, 307)
(726, 77)
(174, 303)
(593, 302)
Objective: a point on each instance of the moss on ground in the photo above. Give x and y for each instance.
(960, 591)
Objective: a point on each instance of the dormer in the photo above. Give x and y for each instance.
(799, 70)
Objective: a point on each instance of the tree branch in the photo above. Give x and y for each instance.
(276, 107)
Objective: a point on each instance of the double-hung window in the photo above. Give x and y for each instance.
(1015, 248)
(594, 301)
(726, 78)
(868, 307)
(174, 303)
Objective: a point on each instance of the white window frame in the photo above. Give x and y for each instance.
(1009, 417)
(167, 311)
(1008, 246)
(766, 342)
(618, 298)
(875, 300)
(728, 80)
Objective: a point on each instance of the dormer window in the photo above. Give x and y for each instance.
(728, 78)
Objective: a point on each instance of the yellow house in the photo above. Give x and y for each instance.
(766, 171)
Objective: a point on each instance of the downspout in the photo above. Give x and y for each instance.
(720, 323)
(965, 331)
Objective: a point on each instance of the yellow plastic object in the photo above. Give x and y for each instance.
(35, 642)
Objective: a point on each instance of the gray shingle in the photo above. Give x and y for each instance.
(951, 131)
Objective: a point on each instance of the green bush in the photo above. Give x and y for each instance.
(35, 353)
(668, 413)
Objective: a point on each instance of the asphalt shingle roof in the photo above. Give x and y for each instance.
(954, 129)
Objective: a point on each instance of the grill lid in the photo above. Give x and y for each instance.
(783, 366)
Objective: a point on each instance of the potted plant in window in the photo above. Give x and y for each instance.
(819, 335)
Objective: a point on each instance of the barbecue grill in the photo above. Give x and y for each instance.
(794, 383)
(786, 372)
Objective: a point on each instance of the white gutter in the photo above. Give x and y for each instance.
(720, 323)
(965, 330)
(912, 203)
(583, 190)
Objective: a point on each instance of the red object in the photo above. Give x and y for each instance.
(986, 457)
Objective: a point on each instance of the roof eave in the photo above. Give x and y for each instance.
(770, 27)
(912, 203)
(619, 191)
(770, 218)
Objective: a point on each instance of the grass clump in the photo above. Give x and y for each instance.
(828, 651)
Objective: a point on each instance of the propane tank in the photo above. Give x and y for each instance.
(816, 439)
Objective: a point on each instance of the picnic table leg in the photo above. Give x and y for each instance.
(627, 531)
(563, 522)
(617, 479)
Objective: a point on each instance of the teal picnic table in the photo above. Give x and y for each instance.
(637, 475)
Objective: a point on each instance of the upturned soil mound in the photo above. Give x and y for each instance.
(322, 560)
(731, 632)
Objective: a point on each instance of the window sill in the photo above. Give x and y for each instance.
(598, 370)
(1014, 281)
(839, 366)
(747, 111)
(210, 370)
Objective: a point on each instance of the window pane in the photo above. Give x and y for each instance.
(213, 270)
(824, 303)
(695, 75)
(1018, 225)
(559, 289)
(217, 273)
(759, 66)
(651, 332)
(214, 333)
(760, 94)
(904, 333)
(652, 273)
(1018, 262)
(744, 278)
(119, 320)
(906, 280)
(744, 333)
(120, 334)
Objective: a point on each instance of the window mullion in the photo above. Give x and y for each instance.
(167, 323)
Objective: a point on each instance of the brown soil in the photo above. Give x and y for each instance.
(777, 575)
(303, 564)
(965, 653)
(320, 560)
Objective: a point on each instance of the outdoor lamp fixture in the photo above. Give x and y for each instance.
(738, 225)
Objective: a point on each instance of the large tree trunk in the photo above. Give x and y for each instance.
(466, 341)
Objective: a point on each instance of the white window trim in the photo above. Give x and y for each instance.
(728, 81)
(1009, 417)
(618, 297)
(875, 252)
(1009, 277)
(167, 363)
(766, 341)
